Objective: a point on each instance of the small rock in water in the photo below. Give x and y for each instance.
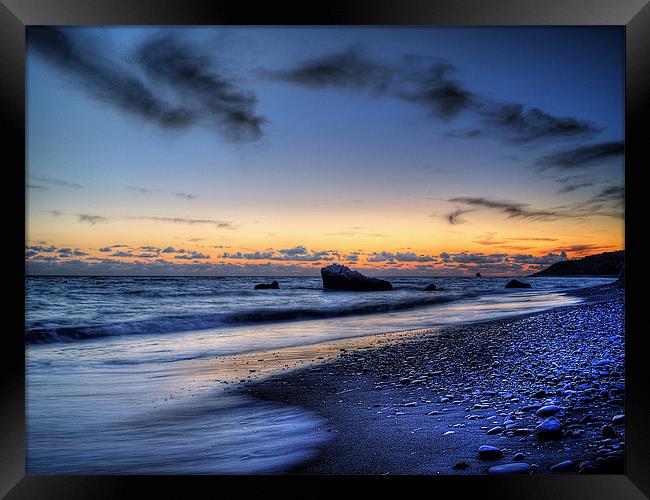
(517, 284)
(548, 411)
(489, 452)
(618, 420)
(608, 431)
(431, 288)
(513, 468)
(266, 286)
(519, 456)
(495, 430)
(462, 465)
(566, 466)
(551, 428)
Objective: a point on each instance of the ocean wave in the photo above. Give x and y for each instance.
(202, 321)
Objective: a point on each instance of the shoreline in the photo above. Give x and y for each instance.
(422, 402)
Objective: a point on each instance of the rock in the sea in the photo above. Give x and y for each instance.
(548, 411)
(266, 286)
(431, 288)
(517, 284)
(608, 431)
(566, 466)
(551, 428)
(339, 277)
(489, 452)
(462, 465)
(478, 275)
(495, 430)
(518, 456)
(618, 420)
(513, 468)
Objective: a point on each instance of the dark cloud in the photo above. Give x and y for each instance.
(56, 182)
(41, 248)
(248, 256)
(299, 250)
(91, 219)
(140, 189)
(586, 249)
(187, 196)
(296, 254)
(593, 154)
(165, 58)
(454, 217)
(192, 256)
(199, 96)
(513, 210)
(466, 134)
(122, 254)
(185, 220)
(433, 87)
(105, 80)
(417, 79)
(427, 81)
(111, 248)
(392, 258)
(148, 248)
(173, 250)
(69, 252)
(521, 125)
(347, 69)
(609, 201)
(570, 188)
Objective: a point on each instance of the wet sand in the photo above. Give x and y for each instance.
(424, 402)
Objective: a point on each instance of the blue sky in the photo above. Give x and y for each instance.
(337, 128)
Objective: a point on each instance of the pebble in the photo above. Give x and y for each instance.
(518, 456)
(608, 431)
(551, 428)
(566, 466)
(494, 430)
(548, 411)
(513, 468)
(486, 452)
(618, 420)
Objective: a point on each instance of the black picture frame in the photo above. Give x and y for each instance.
(15, 15)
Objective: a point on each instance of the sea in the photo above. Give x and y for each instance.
(120, 374)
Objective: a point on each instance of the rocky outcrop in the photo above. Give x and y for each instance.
(339, 277)
(265, 286)
(478, 275)
(602, 264)
(431, 288)
(517, 284)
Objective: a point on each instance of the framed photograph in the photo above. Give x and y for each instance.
(387, 239)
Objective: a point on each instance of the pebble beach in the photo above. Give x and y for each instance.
(535, 394)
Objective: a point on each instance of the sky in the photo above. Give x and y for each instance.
(277, 151)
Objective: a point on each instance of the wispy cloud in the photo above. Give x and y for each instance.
(513, 210)
(428, 82)
(187, 196)
(56, 182)
(185, 220)
(91, 219)
(199, 95)
(582, 156)
(213, 96)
